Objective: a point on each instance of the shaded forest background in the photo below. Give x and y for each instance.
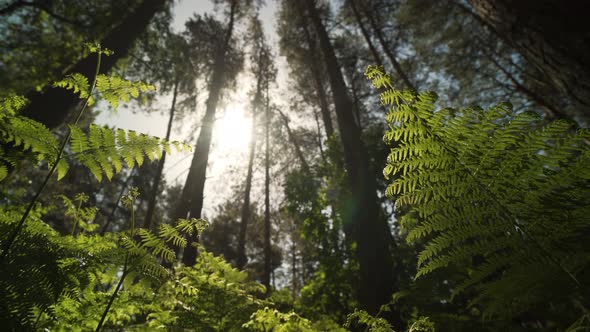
(466, 218)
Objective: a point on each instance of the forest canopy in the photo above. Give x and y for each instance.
(294, 165)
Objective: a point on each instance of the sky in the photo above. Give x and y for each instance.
(232, 129)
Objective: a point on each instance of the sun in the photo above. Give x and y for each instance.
(232, 130)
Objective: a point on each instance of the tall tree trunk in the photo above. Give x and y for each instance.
(365, 33)
(294, 273)
(12, 7)
(111, 215)
(52, 105)
(550, 110)
(246, 213)
(366, 224)
(267, 247)
(394, 62)
(191, 200)
(316, 73)
(319, 136)
(553, 36)
(155, 186)
(296, 146)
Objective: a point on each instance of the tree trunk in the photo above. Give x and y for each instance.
(191, 201)
(316, 73)
(553, 36)
(550, 110)
(242, 259)
(319, 136)
(12, 7)
(294, 281)
(267, 248)
(396, 65)
(359, 21)
(52, 105)
(296, 146)
(111, 215)
(155, 186)
(365, 222)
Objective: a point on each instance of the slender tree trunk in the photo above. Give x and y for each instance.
(155, 186)
(316, 73)
(294, 281)
(246, 213)
(12, 7)
(191, 201)
(319, 135)
(296, 146)
(553, 36)
(43, 5)
(52, 105)
(365, 33)
(111, 215)
(550, 110)
(298, 151)
(396, 65)
(267, 247)
(365, 222)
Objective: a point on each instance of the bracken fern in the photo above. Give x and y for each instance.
(504, 195)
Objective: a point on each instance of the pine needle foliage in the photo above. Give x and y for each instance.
(504, 196)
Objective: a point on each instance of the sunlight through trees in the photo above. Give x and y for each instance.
(294, 165)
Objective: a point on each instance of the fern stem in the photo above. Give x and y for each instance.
(111, 216)
(125, 272)
(62, 148)
(76, 218)
(114, 295)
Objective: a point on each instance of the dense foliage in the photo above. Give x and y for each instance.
(340, 217)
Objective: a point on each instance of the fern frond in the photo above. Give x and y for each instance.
(115, 89)
(10, 105)
(492, 187)
(79, 84)
(102, 149)
(29, 135)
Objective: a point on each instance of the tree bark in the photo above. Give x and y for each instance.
(246, 213)
(316, 70)
(319, 136)
(155, 186)
(365, 223)
(12, 7)
(41, 5)
(550, 110)
(111, 215)
(294, 281)
(551, 35)
(396, 65)
(296, 145)
(51, 106)
(267, 228)
(365, 33)
(191, 201)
